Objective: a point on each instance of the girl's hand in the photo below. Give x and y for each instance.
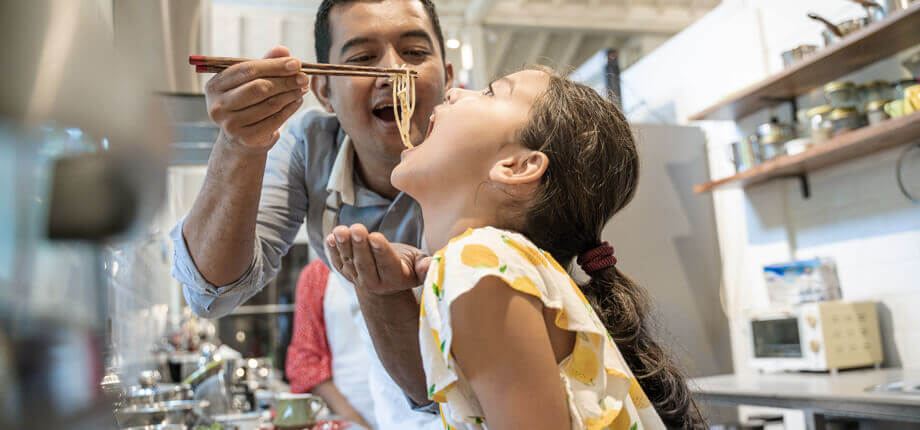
(372, 263)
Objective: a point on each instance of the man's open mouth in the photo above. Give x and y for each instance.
(385, 113)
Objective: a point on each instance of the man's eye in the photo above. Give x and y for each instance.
(417, 52)
(359, 59)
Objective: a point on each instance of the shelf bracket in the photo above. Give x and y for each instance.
(793, 105)
(803, 183)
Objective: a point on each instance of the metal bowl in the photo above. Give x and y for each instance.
(182, 412)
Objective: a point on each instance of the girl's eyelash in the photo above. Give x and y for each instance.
(490, 92)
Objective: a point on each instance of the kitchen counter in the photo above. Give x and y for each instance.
(818, 395)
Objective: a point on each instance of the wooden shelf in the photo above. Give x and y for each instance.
(846, 146)
(897, 32)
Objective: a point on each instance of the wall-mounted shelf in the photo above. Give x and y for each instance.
(882, 39)
(843, 147)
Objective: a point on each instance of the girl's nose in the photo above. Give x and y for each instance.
(455, 94)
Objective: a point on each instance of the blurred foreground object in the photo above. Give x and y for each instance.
(82, 160)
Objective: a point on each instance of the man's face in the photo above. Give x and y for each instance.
(383, 34)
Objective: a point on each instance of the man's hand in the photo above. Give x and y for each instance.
(372, 263)
(250, 101)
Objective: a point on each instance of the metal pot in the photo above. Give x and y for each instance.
(874, 11)
(834, 33)
(182, 412)
(150, 391)
(797, 54)
(845, 119)
(841, 94)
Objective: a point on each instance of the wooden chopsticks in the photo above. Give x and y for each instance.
(206, 64)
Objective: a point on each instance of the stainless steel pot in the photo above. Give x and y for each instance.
(874, 11)
(797, 54)
(834, 33)
(150, 391)
(182, 412)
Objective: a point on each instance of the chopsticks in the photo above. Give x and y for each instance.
(206, 64)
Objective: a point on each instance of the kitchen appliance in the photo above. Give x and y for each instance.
(818, 336)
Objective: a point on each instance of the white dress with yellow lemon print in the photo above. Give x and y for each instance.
(602, 393)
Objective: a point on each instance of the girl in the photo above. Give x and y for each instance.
(513, 181)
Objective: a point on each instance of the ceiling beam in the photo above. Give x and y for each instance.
(565, 60)
(572, 18)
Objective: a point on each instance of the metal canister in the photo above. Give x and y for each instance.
(820, 123)
(841, 94)
(876, 91)
(845, 119)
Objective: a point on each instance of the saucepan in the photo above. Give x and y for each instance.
(834, 33)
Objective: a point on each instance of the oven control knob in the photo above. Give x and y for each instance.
(812, 321)
(815, 346)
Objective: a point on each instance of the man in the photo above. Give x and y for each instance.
(327, 169)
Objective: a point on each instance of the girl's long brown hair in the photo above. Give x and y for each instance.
(593, 172)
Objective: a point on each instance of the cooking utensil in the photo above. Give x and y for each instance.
(151, 391)
(834, 33)
(206, 64)
(874, 11)
(797, 54)
(184, 412)
(841, 94)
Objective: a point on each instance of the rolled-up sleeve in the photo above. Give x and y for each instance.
(282, 207)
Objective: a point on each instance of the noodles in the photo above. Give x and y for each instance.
(404, 104)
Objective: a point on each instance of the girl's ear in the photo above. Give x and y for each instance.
(320, 87)
(524, 167)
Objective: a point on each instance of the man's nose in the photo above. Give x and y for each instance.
(390, 60)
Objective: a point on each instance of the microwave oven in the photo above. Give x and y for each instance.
(817, 336)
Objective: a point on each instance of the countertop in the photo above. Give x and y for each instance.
(819, 395)
(847, 385)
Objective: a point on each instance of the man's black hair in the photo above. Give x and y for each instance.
(322, 31)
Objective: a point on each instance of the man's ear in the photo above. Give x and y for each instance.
(448, 75)
(319, 85)
(524, 167)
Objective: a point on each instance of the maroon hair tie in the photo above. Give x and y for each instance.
(597, 258)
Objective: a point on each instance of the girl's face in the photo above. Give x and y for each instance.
(472, 140)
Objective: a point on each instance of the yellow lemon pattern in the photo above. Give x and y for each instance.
(583, 364)
(599, 386)
(555, 264)
(525, 285)
(476, 255)
(530, 254)
(638, 395)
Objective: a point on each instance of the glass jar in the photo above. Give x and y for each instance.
(845, 119)
(841, 94)
(876, 91)
(820, 124)
(875, 111)
(902, 85)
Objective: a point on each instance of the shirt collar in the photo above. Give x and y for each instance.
(344, 180)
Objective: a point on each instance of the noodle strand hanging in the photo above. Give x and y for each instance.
(404, 104)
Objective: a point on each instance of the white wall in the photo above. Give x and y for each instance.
(856, 213)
